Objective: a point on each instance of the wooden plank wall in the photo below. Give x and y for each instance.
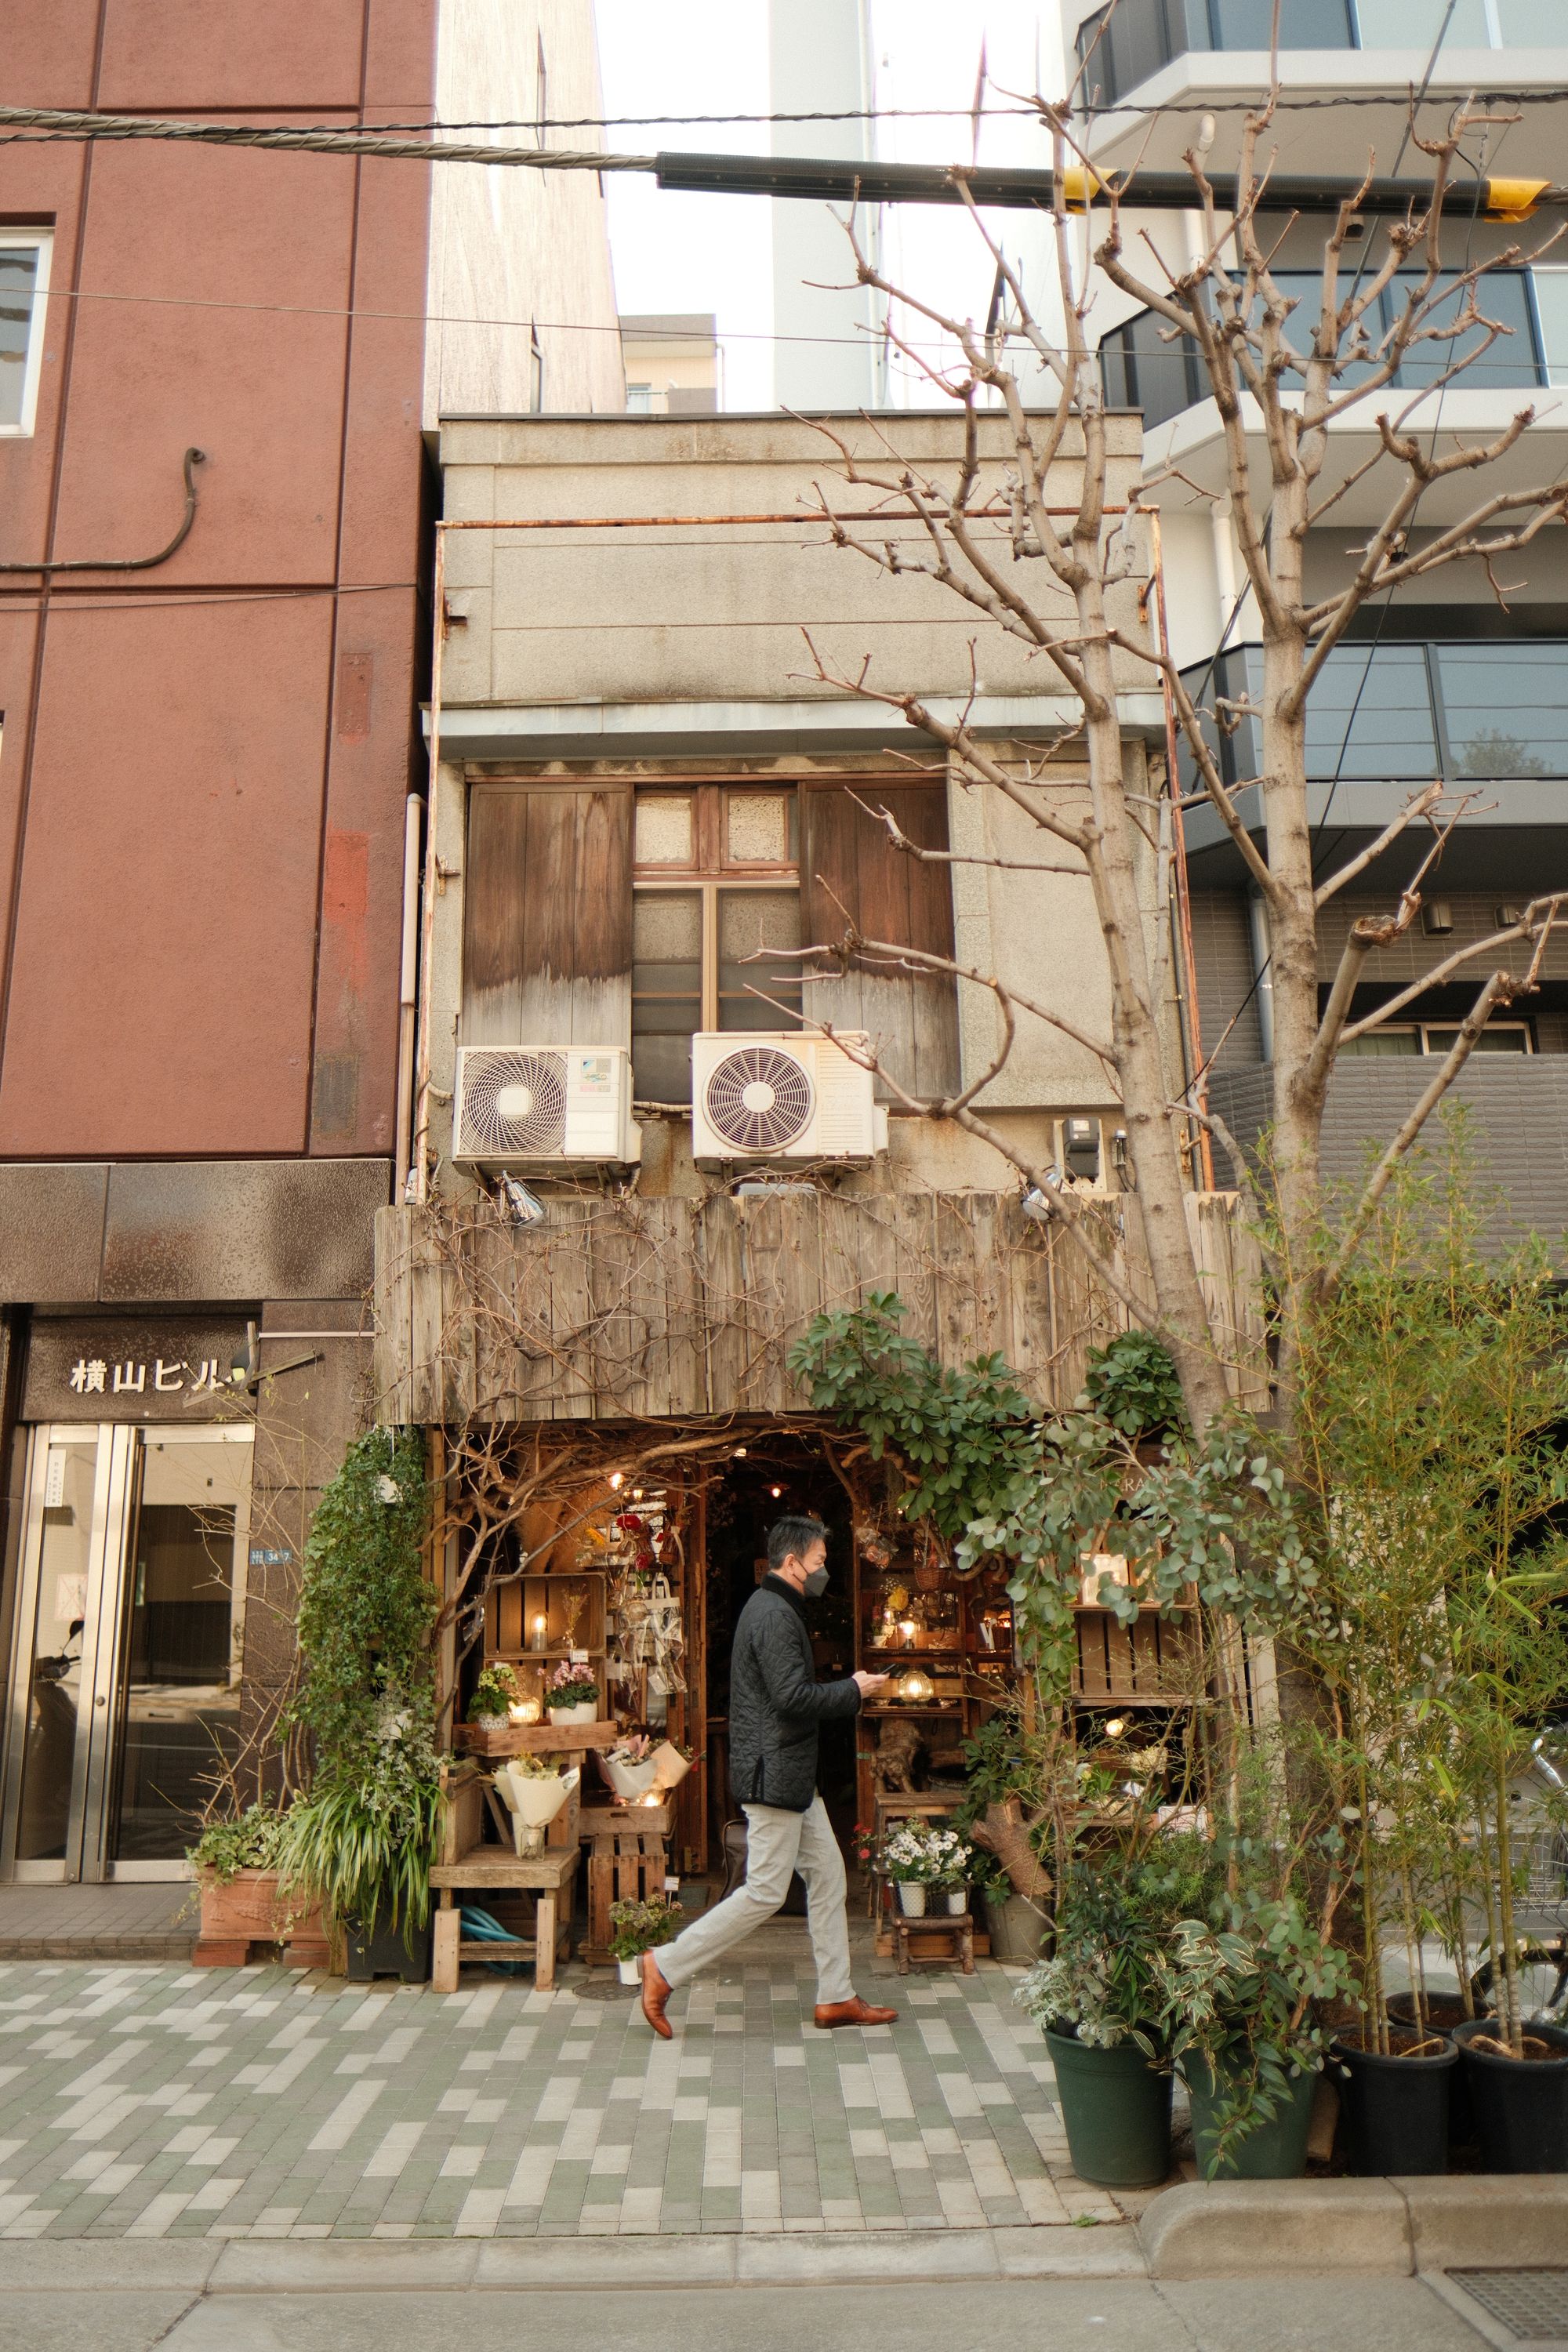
(626, 1309)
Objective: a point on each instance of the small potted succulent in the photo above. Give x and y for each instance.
(495, 1693)
(572, 1694)
(640, 1928)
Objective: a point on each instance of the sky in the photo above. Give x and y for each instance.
(680, 252)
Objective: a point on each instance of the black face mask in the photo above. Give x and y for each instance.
(815, 1584)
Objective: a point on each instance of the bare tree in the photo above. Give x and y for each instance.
(992, 538)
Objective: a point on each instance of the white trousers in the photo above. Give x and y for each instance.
(777, 1844)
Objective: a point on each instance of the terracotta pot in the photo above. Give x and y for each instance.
(247, 1909)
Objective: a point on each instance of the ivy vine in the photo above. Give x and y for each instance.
(366, 1608)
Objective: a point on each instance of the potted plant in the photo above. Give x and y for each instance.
(1241, 2017)
(1100, 2001)
(639, 1927)
(496, 1692)
(953, 1858)
(572, 1694)
(360, 1841)
(914, 1862)
(235, 1865)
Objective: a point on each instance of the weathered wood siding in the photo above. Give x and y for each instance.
(851, 873)
(547, 915)
(639, 1309)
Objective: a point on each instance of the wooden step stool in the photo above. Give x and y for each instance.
(956, 1926)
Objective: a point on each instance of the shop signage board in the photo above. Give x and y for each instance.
(135, 1369)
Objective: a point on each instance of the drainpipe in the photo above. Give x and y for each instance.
(1262, 981)
(409, 993)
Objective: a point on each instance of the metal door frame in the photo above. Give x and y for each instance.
(116, 1491)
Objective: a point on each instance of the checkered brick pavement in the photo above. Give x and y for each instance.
(145, 2102)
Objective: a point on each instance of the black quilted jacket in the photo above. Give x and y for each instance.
(776, 1701)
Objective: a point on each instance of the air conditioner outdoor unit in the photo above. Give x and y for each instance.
(522, 1105)
(795, 1095)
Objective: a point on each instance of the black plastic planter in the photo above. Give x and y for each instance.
(1520, 2105)
(1116, 2105)
(1443, 2012)
(385, 1954)
(1393, 2111)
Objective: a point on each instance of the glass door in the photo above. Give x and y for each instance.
(125, 1696)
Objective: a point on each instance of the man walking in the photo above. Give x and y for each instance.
(775, 1706)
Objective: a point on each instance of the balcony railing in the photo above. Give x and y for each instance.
(1481, 711)
(1143, 367)
(1120, 47)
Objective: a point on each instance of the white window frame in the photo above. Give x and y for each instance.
(43, 240)
(1448, 1031)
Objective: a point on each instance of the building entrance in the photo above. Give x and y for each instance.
(125, 1693)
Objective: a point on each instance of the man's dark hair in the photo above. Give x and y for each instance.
(795, 1533)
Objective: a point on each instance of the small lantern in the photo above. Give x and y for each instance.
(916, 1687)
(537, 1631)
(525, 1710)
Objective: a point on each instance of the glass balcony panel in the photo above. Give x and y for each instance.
(1531, 24)
(1507, 709)
(1416, 25)
(1552, 314)
(1303, 24)
(1509, 359)
(1369, 717)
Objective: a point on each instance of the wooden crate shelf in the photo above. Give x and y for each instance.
(535, 1738)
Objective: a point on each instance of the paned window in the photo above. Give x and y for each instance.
(716, 884)
(24, 283)
(1437, 1038)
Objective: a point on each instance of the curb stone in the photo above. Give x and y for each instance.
(1255, 2229)
(305, 2266)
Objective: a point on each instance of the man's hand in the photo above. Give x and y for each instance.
(867, 1684)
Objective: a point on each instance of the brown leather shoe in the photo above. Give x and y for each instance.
(655, 1993)
(848, 2012)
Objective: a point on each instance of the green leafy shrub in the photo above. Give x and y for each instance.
(1132, 1383)
(250, 1843)
(366, 1608)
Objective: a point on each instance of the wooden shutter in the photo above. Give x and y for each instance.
(849, 866)
(547, 915)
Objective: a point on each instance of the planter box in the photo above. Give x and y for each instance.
(247, 1909)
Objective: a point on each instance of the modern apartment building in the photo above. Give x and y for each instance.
(1444, 679)
(217, 367)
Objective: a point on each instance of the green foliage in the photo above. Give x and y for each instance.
(360, 1843)
(365, 1610)
(1116, 1917)
(250, 1843)
(636, 1928)
(963, 1436)
(1434, 1402)
(1238, 1992)
(1219, 1517)
(1132, 1383)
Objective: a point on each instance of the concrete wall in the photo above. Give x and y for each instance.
(524, 255)
(711, 615)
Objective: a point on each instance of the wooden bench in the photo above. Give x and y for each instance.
(464, 1865)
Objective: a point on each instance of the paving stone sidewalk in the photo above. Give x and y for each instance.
(151, 2102)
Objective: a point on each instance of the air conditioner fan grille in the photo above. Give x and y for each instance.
(514, 1103)
(759, 1098)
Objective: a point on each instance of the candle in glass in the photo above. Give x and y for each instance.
(536, 1637)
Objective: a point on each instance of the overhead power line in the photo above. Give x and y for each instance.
(818, 179)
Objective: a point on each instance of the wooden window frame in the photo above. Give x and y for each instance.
(712, 871)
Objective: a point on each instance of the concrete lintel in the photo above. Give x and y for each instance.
(580, 730)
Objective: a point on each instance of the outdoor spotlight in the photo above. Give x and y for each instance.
(517, 1201)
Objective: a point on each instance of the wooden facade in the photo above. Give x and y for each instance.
(626, 1308)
